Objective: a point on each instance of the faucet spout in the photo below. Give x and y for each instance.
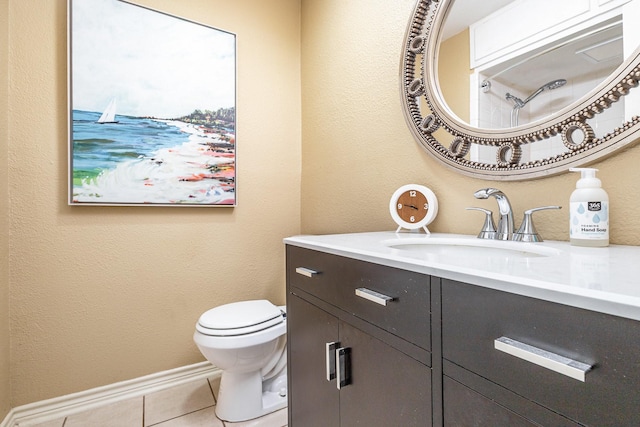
(505, 224)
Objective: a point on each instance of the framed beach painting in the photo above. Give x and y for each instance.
(152, 108)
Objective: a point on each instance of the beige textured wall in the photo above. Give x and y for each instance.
(454, 69)
(4, 215)
(357, 148)
(104, 294)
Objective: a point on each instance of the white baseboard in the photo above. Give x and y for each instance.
(59, 407)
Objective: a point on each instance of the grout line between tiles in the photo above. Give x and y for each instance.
(215, 401)
(180, 416)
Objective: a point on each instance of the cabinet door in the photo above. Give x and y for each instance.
(388, 388)
(313, 401)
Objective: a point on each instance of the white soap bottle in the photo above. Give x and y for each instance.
(589, 211)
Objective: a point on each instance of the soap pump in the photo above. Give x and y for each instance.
(589, 211)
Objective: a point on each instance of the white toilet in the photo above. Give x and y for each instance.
(247, 340)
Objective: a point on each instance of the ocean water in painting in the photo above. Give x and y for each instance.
(142, 160)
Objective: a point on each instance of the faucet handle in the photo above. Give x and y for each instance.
(527, 231)
(489, 228)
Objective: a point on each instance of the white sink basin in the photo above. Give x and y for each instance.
(469, 246)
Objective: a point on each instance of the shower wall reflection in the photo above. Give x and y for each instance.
(496, 112)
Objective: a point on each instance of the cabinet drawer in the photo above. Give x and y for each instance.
(464, 406)
(474, 317)
(335, 280)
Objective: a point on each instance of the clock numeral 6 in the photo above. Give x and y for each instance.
(412, 219)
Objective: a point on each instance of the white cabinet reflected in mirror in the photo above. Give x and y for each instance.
(518, 89)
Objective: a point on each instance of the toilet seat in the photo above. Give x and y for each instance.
(239, 318)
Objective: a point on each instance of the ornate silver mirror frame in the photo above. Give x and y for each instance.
(420, 91)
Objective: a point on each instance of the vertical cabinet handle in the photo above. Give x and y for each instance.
(373, 296)
(546, 359)
(307, 272)
(330, 356)
(338, 361)
(343, 373)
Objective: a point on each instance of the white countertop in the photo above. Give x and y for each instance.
(606, 280)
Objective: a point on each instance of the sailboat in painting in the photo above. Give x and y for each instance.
(109, 114)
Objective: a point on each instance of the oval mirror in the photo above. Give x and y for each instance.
(495, 95)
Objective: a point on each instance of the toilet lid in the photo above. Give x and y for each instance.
(240, 318)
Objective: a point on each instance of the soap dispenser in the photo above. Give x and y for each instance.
(589, 211)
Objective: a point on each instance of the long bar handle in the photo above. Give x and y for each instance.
(555, 362)
(343, 373)
(306, 271)
(331, 360)
(374, 296)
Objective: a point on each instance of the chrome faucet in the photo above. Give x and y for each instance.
(526, 233)
(505, 224)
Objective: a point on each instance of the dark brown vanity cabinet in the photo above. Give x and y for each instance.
(446, 353)
(351, 359)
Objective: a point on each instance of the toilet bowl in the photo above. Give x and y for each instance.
(246, 340)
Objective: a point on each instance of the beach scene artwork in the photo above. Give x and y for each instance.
(152, 108)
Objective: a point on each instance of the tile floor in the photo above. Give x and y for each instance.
(188, 405)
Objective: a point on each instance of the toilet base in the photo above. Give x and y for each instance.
(243, 396)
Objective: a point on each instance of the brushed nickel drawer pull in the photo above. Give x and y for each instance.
(306, 271)
(555, 362)
(374, 296)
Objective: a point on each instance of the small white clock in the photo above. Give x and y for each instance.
(413, 206)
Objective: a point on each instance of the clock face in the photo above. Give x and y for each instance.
(412, 206)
